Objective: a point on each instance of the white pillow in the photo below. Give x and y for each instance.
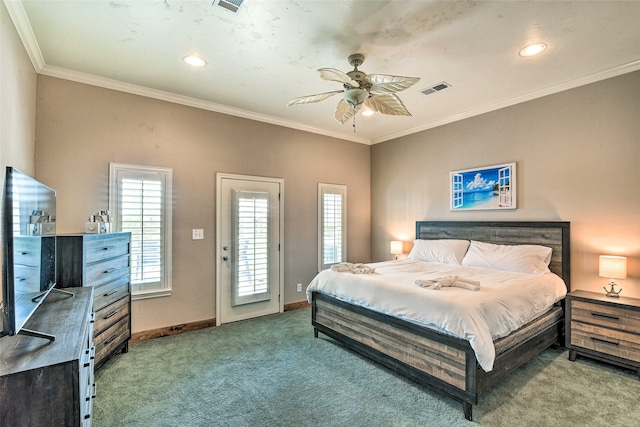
(447, 251)
(532, 259)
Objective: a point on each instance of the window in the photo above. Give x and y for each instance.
(140, 202)
(251, 247)
(332, 225)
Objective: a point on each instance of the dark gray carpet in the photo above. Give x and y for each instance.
(271, 371)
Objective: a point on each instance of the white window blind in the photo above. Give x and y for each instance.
(251, 247)
(332, 224)
(140, 204)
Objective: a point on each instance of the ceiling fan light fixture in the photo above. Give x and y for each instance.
(533, 49)
(194, 61)
(367, 112)
(355, 97)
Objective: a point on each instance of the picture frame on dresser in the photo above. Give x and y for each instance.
(101, 261)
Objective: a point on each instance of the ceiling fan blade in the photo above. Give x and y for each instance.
(387, 104)
(337, 76)
(344, 111)
(312, 98)
(383, 84)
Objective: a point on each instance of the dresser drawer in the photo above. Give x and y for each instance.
(106, 271)
(104, 248)
(111, 313)
(111, 292)
(27, 251)
(27, 278)
(110, 339)
(620, 344)
(607, 316)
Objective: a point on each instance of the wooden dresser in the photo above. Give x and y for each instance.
(101, 261)
(604, 328)
(46, 383)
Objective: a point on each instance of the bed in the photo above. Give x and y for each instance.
(433, 357)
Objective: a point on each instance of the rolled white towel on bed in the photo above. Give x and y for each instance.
(342, 267)
(358, 268)
(449, 281)
(363, 269)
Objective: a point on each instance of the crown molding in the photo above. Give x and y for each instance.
(120, 86)
(25, 32)
(549, 90)
(27, 36)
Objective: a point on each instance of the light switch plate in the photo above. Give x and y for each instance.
(197, 234)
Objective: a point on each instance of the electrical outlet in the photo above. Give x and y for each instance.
(299, 287)
(197, 234)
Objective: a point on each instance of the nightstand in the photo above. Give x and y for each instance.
(604, 328)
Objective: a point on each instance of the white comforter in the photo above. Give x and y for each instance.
(505, 302)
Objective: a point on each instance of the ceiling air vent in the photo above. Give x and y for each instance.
(230, 5)
(435, 88)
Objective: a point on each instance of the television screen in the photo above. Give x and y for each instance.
(29, 245)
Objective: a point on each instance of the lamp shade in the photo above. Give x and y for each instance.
(613, 267)
(396, 247)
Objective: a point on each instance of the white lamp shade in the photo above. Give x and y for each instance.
(396, 247)
(613, 267)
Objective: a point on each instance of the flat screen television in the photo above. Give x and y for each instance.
(28, 251)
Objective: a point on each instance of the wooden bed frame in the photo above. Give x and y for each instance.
(437, 360)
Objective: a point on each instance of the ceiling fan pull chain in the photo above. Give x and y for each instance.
(354, 123)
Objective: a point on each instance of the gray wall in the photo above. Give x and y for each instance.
(576, 152)
(17, 100)
(81, 128)
(578, 160)
(17, 103)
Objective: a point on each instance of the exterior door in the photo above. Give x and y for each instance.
(249, 247)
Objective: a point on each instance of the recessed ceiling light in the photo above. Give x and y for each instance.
(195, 61)
(533, 49)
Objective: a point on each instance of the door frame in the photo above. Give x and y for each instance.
(218, 253)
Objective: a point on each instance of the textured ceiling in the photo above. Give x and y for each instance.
(269, 52)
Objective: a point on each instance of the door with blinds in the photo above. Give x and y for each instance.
(249, 252)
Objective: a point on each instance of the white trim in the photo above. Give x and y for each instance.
(120, 86)
(23, 27)
(218, 256)
(27, 36)
(166, 284)
(150, 294)
(549, 90)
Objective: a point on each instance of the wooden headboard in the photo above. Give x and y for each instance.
(553, 234)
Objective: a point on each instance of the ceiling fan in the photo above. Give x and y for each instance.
(376, 91)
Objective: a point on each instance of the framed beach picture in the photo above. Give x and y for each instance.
(489, 187)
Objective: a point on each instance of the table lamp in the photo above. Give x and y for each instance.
(396, 248)
(613, 267)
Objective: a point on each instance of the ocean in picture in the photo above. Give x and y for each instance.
(483, 199)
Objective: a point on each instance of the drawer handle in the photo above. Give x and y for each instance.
(111, 270)
(113, 313)
(95, 391)
(604, 341)
(106, 248)
(606, 316)
(110, 340)
(110, 293)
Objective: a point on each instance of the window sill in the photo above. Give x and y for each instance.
(150, 294)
